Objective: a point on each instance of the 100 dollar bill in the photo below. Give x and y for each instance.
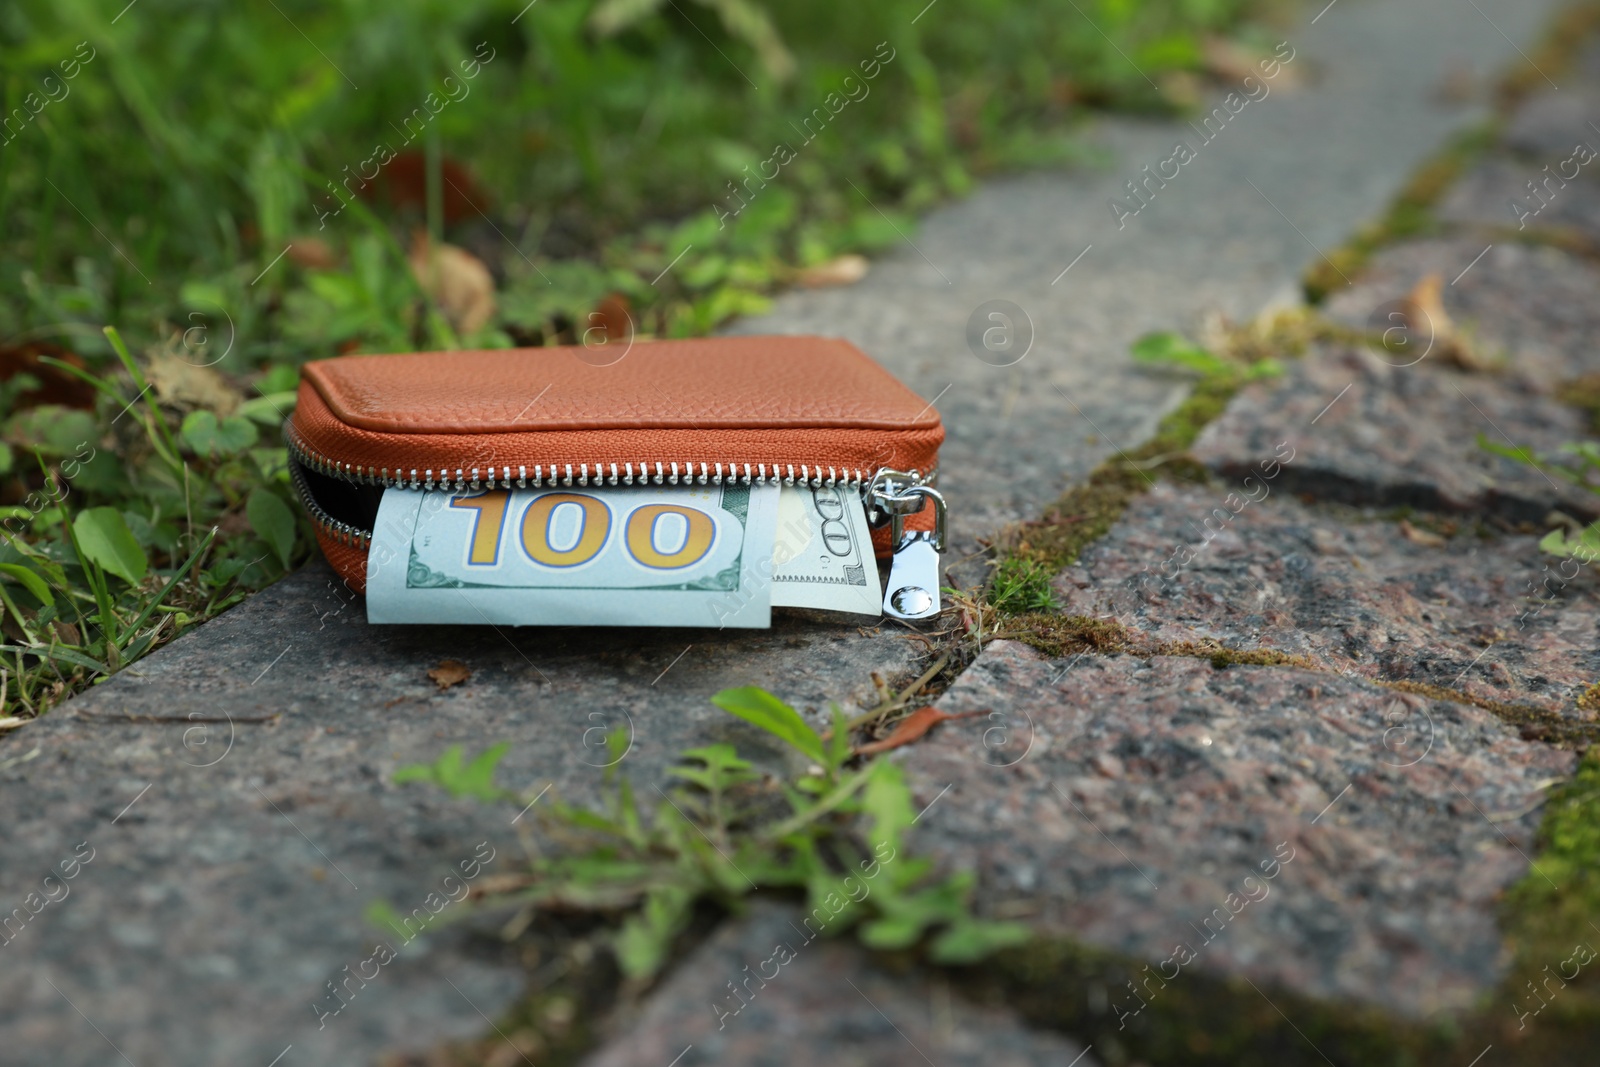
(619, 556)
(823, 554)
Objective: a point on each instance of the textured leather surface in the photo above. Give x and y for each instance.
(392, 455)
(706, 383)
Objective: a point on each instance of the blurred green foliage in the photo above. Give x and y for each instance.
(601, 139)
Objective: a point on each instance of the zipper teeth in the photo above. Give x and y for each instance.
(474, 478)
(342, 532)
(665, 474)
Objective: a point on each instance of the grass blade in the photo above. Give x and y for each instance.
(177, 577)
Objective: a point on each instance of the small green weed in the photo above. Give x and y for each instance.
(726, 831)
(1173, 349)
(1582, 545)
(1021, 585)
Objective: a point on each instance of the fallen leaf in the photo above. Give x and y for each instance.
(841, 270)
(1425, 297)
(912, 727)
(1419, 536)
(181, 381)
(312, 253)
(402, 184)
(55, 386)
(1234, 62)
(612, 318)
(1426, 316)
(456, 280)
(448, 673)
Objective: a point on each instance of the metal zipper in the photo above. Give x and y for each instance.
(890, 495)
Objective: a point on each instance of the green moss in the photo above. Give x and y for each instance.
(1182, 426)
(1082, 516)
(1410, 213)
(1555, 54)
(1556, 907)
(1086, 512)
(1064, 635)
(1258, 657)
(1534, 724)
(1194, 1019)
(1583, 393)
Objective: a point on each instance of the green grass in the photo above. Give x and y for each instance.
(595, 156)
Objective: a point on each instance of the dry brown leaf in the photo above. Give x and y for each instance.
(1425, 315)
(181, 379)
(841, 270)
(1234, 62)
(55, 386)
(912, 727)
(450, 672)
(312, 253)
(1418, 536)
(612, 318)
(455, 280)
(1425, 297)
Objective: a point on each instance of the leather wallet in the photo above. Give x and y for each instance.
(797, 410)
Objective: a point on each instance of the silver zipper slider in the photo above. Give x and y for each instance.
(913, 590)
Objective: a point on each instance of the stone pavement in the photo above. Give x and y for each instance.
(1307, 831)
(235, 788)
(1415, 656)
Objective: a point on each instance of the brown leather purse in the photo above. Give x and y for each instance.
(801, 410)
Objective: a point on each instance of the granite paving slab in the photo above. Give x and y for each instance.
(236, 792)
(1534, 306)
(1268, 822)
(1353, 424)
(759, 993)
(1546, 125)
(1495, 195)
(1488, 615)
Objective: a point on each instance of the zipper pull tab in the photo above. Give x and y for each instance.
(913, 591)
